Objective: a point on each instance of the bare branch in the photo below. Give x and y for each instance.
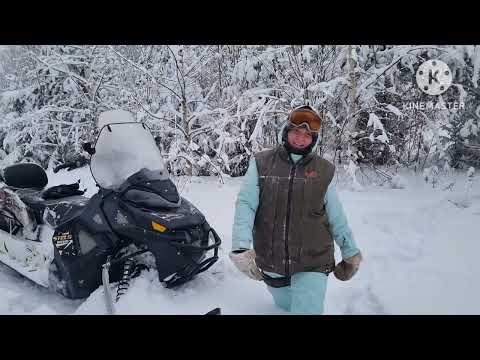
(145, 72)
(158, 117)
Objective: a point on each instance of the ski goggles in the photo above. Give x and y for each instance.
(303, 125)
(305, 116)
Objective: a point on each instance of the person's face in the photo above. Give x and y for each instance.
(299, 138)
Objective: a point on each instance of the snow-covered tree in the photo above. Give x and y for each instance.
(211, 106)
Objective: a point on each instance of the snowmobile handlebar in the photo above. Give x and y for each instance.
(88, 148)
(68, 165)
(74, 163)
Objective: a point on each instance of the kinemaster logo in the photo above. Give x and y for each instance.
(434, 77)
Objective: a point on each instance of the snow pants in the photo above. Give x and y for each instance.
(304, 296)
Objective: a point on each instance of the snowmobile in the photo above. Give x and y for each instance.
(72, 244)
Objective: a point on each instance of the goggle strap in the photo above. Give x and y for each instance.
(304, 125)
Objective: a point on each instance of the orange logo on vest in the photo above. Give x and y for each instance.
(310, 173)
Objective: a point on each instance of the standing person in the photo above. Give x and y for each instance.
(289, 210)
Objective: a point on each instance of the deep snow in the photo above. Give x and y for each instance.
(420, 247)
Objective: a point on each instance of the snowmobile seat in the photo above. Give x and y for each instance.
(25, 176)
(51, 207)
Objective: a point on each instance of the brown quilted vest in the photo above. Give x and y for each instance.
(291, 232)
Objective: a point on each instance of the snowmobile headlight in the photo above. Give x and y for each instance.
(158, 227)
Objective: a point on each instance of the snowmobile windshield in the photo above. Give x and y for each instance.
(121, 150)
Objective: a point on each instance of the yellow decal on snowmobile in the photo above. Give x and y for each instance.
(158, 227)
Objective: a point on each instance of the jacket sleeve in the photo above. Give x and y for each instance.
(341, 232)
(246, 208)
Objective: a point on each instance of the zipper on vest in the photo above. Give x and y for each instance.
(287, 224)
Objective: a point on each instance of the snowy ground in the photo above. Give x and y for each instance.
(420, 252)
